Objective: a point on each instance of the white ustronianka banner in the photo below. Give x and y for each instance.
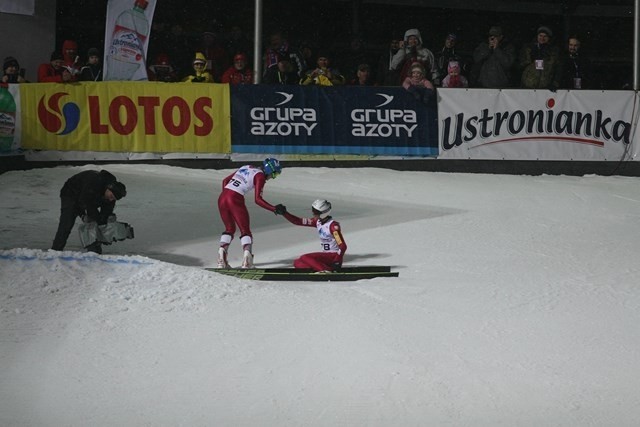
(127, 38)
(517, 124)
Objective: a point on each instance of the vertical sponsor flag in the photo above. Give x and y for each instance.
(126, 39)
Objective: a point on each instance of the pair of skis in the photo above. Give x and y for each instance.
(344, 274)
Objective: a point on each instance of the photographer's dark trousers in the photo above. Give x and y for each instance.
(68, 214)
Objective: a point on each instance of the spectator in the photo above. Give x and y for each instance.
(411, 51)
(161, 69)
(577, 71)
(283, 74)
(71, 60)
(214, 51)
(11, 71)
(385, 75)
(179, 49)
(237, 42)
(53, 71)
(446, 55)
(201, 75)
(363, 77)
(92, 71)
(323, 75)
(239, 73)
(540, 62)
(418, 85)
(351, 58)
(454, 78)
(277, 49)
(493, 61)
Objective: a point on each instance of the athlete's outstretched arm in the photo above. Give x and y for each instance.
(258, 182)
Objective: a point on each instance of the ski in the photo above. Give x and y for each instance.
(297, 275)
(352, 269)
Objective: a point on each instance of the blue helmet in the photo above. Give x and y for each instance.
(271, 167)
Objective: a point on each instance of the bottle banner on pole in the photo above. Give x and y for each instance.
(126, 39)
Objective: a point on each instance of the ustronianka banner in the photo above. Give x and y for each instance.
(331, 120)
(126, 39)
(537, 125)
(135, 117)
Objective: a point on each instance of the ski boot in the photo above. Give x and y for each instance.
(222, 258)
(247, 260)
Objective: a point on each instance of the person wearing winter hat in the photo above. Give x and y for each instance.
(92, 71)
(454, 78)
(493, 60)
(90, 195)
(323, 74)
(161, 70)
(201, 75)
(418, 85)
(541, 63)
(54, 71)
(238, 73)
(11, 71)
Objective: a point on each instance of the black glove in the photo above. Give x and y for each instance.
(280, 210)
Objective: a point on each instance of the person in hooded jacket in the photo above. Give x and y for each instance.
(70, 58)
(412, 51)
(201, 75)
(90, 195)
(92, 71)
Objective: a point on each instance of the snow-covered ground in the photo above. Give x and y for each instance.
(517, 305)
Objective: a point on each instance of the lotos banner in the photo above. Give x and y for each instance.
(126, 39)
(331, 120)
(134, 117)
(537, 124)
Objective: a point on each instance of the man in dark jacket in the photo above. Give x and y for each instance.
(90, 195)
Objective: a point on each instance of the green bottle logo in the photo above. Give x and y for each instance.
(7, 118)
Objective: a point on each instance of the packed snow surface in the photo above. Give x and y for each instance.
(517, 304)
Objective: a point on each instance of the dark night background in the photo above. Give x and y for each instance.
(606, 38)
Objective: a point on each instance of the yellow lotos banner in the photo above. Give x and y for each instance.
(138, 117)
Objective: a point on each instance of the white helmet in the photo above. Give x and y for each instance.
(322, 208)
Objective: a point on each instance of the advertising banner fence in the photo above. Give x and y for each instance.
(126, 117)
(537, 125)
(331, 120)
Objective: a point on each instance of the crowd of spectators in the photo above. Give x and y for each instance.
(495, 62)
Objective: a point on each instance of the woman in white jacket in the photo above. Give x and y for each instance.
(410, 52)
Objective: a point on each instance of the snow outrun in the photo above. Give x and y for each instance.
(517, 305)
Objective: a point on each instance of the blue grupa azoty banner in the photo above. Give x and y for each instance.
(331, 120)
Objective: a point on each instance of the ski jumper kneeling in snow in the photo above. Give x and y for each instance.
(331, 240)
(233, 209)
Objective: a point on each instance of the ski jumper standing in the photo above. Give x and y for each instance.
(233, 209)
(331, 240)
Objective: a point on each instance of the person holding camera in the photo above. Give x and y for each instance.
(12, 73)
(90, 195)
(201, 74)
(323, 74)
(54, 71)
(493, 61)
(412, 50)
